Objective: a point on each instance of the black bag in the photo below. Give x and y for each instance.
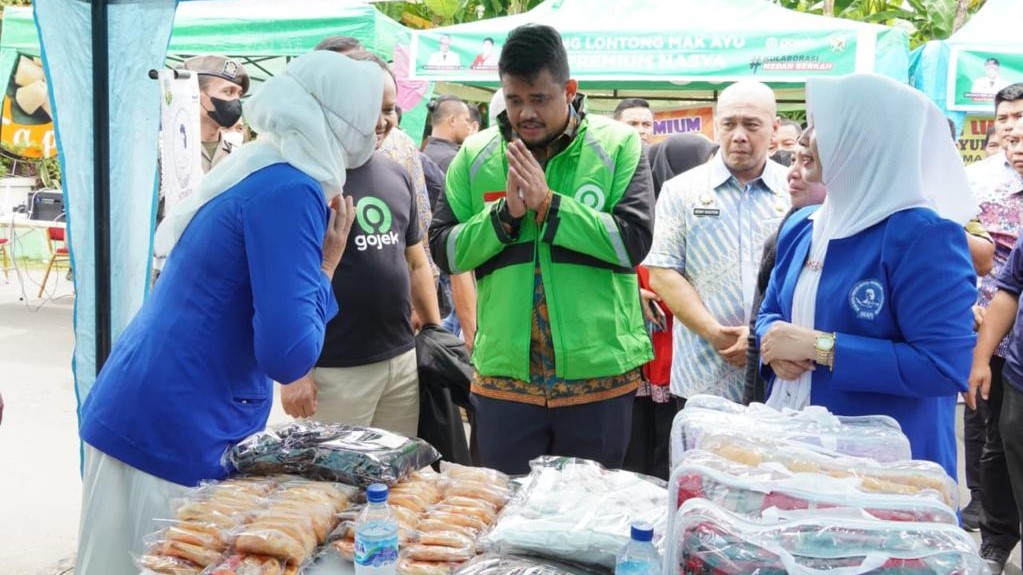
(444, 377)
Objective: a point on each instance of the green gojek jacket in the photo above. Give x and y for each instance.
(598, 228)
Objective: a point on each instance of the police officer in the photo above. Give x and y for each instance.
(222, 83)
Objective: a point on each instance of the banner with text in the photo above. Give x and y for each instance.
(976, 75)
(780, 57)
(685, 120)
(971, 141)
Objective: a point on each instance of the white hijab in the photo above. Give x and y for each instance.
(320, 116)
(884, 148)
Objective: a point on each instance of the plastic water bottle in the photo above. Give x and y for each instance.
(639, 557)
(376, 535)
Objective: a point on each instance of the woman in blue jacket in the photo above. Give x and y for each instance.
(244, 297)
(869, 306)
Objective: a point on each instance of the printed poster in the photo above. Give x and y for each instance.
(976, 75)
(27, 126)
(971, 141)
(684, 120)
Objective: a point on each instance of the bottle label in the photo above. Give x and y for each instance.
(376, 553)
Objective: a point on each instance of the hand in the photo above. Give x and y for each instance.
(512, 198)
(980, 379)
(646, 297)
(791, 370)
(299, 397)
(978, 317)
(417, 323)
(786, 341)
(342, 214)
(732, 343)
(528, 174)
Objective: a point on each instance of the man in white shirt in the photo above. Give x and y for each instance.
(709, 235)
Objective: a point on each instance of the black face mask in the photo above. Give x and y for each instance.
(225, 112)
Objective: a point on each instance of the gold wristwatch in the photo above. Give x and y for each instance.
(824, 346)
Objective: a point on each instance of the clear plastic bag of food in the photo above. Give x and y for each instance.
(491, 564)
(491, 477)
(243, 564)
(915, 477)
(875, 437)
(709, 540)
(407, 566)
(332, 452)
(576, 510)
(755, 491)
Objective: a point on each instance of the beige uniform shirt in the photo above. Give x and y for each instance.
(223, 149)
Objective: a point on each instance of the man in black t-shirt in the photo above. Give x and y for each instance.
(367, 373)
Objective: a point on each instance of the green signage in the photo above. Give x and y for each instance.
(977, 74)
(633, 56)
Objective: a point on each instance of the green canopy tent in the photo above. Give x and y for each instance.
(262, 34)
(662, 47)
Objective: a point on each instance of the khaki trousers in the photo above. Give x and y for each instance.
(384, 395)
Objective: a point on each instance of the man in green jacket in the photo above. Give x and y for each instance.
(552, 209)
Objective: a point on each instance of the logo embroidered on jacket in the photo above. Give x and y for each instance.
(867, 299)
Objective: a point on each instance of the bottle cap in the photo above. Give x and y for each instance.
(376, 493)
(642, 531)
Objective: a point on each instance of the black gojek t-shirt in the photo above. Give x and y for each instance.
(372, 284)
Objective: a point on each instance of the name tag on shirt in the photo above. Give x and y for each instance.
(707, 212)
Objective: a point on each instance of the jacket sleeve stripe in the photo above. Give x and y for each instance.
(451, 249)
(601, 153)
(615, 237)
(477, 164)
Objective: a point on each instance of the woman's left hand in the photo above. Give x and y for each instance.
(788, 342)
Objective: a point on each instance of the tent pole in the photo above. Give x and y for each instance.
(101, 181)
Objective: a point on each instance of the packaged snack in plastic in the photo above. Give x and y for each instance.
(241, 564)
(476, 490)
(576, 510)
(408, 566)
(903, 477)
(332, 452)
(445, 539)
(287, 538)
(419, 552)
(438, 526)
(754, 491)
(478, 474)
(876, 437)
(168, 565)
(514, 565)
(484, 515)
(709, 540)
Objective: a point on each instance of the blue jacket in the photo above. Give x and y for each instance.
(898, 295)
(241, 300)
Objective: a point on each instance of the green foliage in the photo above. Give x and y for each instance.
(923, 20)
(423, 13)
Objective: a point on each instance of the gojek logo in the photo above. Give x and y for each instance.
(374, 218)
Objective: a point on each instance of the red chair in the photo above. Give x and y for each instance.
(58, 255)
(3, 256)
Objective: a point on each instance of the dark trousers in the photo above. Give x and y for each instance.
(651, 435)
(974, 438)
(1011, 425)
(1000, 526)
(511, 434)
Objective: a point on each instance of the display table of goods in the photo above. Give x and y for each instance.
(759, 491)
(293, 504)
